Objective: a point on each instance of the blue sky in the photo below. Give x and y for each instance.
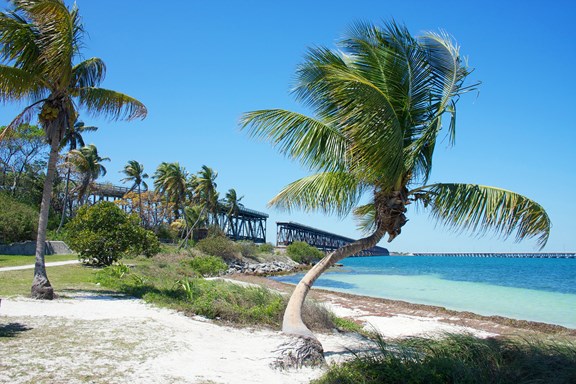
(199, 65)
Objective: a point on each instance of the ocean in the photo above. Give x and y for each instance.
(534, 289)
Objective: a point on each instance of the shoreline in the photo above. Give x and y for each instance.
(359, 307)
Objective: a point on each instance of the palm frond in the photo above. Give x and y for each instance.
(115, 104)
(328, 192)
(315, 143)
(365, 216)
(23, 117)
(59, 32)
(16, 84)
(18, 42)
(89, 73)
(481, 209)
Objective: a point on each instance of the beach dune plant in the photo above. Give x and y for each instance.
(380, 103)
(40, 41)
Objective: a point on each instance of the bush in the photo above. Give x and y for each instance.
(218, 246)
(303, 253)
(266, 248)
(459, 359)
(247, 248)
(18, 221)
(103, 233)
(208, 265)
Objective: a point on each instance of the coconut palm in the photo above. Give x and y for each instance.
(134, 172)
(171, 179)
(39, 43)
(379, 103)
(205, 189)
(232, 202)
(88, 164)
(72, 139)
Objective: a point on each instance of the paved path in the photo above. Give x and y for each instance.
(31, 266)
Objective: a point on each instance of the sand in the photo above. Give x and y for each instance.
(104, 338)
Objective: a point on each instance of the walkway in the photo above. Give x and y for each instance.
(31, 266)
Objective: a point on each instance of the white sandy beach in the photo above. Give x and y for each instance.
(114, 339)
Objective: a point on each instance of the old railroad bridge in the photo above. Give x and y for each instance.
(248, 224)
(288, 232)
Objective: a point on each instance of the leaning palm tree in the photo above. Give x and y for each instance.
(88, 164)
(39, 43)
(134, 172)
(72, 139)
(379, 103)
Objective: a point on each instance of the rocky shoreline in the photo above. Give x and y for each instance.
(266, 268)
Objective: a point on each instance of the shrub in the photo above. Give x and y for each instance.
(218, 246)
(208, 265)
(103, 233)
(265, 248)
(247, 248)
(460, 359)
(303, 253)
(18, 221)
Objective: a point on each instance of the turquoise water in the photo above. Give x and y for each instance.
(528, 289)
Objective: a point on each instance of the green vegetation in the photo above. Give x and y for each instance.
(218, 246)
(40, 46)
(65, 277)
(303, 253)
(18, 221)
(17, 260)
(379, 101)
(103, 233)
(207, 266)
(460, 359)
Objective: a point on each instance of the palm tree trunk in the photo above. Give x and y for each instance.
(140, 205)
(65, 201)
(41, 287)
(292, 323)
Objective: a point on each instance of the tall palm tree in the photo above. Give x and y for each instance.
(134, 172)
(205, 189)
(379, 103)
(171, 179)
(233, 205)
(39, 42)
(88, 163)
(73, 139)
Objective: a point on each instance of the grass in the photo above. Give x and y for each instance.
(18, 260)
(62, 278)
(460, 359)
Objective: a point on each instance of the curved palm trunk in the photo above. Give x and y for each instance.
(41, 287)
(292, 323)
(306, 349)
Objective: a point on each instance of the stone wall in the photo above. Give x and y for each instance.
(29, 248)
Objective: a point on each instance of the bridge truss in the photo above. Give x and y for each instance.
(289, 232)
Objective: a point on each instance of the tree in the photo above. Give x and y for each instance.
(134, 172)
(103, 233)
(39, 42)
(171, 179)
(233, 205)
(205, 189)
(25, 145)
(73, 139)
(88, 164)
(379, 103)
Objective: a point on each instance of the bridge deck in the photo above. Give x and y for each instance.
(288, 232)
